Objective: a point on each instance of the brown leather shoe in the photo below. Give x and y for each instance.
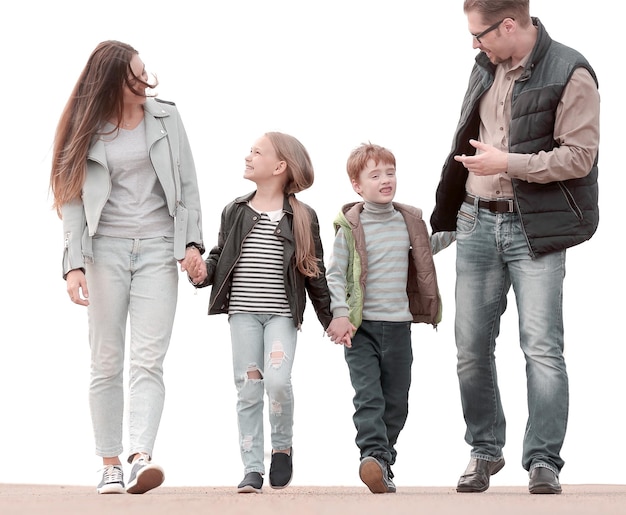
(543, 481)
(477, 474)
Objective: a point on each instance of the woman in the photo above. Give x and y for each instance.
(124, 184)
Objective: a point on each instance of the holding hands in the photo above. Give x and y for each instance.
(340, 331)
(194, 265)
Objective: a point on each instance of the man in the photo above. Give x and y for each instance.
(519, 187)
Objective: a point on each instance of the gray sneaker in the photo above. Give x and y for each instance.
(144, 476)
(112, 480)
(377, 475)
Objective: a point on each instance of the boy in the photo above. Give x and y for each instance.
(382, 278)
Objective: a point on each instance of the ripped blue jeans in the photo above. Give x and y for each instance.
(263, 351)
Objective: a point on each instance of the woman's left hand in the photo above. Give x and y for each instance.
(193, 264)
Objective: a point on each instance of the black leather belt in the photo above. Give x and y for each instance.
(495, 206)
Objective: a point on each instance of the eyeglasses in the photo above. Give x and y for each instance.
(488, 30)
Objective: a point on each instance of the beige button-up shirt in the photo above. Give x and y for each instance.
(576, 129)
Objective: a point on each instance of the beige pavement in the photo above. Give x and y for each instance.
(311, 500)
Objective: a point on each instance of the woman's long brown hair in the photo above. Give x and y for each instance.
(97, 96)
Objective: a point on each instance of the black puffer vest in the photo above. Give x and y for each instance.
(556, 215)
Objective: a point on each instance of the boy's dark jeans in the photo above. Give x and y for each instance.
(380, 370)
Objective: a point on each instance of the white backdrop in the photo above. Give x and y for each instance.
(334, 74)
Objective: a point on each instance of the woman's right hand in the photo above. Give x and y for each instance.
(77, 287)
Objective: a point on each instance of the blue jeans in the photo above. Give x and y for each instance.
(379, 362)
(492, 256)
(137, 279)
(263, 346)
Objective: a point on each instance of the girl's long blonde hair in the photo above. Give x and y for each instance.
(300, 176)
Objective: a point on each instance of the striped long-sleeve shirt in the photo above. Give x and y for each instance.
(257, 281)
(387, 242)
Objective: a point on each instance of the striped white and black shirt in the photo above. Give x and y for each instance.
(257, 281)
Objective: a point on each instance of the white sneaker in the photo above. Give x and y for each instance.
(144, 476)
(112, 480)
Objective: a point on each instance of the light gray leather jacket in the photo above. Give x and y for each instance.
(81, 217)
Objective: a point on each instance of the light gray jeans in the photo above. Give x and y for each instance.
(264, 344)
(136, 280)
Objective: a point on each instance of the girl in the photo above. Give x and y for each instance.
(122, 170)
(268, 253)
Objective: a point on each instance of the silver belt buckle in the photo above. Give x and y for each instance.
(511, 206)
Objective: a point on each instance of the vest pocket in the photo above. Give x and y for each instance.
(571, 202)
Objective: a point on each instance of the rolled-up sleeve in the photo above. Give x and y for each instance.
(576, 130)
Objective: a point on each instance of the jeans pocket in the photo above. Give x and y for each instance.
(465, 219)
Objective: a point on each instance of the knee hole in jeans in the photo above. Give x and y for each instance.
(277, 354)
(253, 372)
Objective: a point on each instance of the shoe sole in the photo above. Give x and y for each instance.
(148, 478)
(544, 489)
(111, 489)
(372, 475)
(470, 490)
(249, 489)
